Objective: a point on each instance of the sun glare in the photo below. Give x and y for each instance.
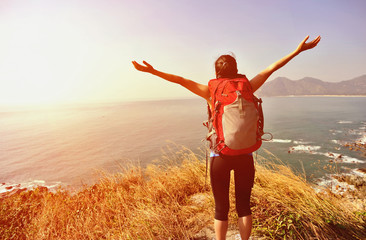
(44, 61)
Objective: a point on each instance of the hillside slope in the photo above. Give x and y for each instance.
(282, 86)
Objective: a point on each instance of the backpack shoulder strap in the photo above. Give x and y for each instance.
(213, 85)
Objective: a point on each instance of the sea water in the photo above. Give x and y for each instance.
(67, 145)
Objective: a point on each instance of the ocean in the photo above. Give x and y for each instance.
(68, 145)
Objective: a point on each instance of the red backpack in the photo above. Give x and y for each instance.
(235, 121)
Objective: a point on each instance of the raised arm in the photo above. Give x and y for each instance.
(258, 80)
(196, 88)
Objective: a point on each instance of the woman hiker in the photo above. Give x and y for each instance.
(221, 165)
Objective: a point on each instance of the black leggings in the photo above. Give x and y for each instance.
(243, 167)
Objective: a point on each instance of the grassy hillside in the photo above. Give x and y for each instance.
(172, 201)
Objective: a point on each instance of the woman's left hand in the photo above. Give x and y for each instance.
(306, 46)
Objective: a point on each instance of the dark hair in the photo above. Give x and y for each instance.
(227, 68)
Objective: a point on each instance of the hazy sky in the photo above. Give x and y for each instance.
(64, 51)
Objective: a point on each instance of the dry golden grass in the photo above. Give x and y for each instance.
(159, 202)
(286, 206)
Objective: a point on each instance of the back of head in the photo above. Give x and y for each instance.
(226, 67)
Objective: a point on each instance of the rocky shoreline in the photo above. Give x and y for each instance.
(357, 146)
(354, 182)
(11, 190)
(356, 178)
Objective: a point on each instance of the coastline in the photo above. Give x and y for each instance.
(337, 129)
(174, 201)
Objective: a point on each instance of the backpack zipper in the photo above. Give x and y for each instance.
(240, 101)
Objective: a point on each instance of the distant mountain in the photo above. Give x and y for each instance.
(282, 86)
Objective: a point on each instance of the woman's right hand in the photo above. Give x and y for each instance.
(147, 68)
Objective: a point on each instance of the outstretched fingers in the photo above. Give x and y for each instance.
(136, 65)
(306, 46)
(144, 62)
(315, 42)
(146, 68)
(305, 39)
